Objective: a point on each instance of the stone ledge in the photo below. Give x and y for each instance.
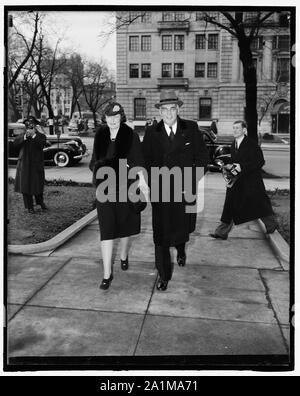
(280, 247)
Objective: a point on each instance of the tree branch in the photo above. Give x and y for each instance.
(212, 20)
(22, 64)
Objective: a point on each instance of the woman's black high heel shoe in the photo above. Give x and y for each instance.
(124, 264)
(106, 282)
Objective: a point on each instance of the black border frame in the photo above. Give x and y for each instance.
(264, 363)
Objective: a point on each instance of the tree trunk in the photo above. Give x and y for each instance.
(95, 120)
(78, 107)
(250, 81)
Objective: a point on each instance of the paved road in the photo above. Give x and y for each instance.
(277, 162)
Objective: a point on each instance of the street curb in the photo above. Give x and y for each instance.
(268, 148)
(56, 241)
(280, 247)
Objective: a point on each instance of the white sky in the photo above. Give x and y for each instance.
(82, 32)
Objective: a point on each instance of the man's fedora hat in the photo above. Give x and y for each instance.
(32, 120)
(167, 97)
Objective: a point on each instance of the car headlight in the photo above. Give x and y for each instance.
(222, 150)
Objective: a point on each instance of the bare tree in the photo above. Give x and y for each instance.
(245, 32)
(47, 64)
(94, 82)
(74, 72)
(16, 70)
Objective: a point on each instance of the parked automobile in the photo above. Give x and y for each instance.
(218, 148)
(62, 150)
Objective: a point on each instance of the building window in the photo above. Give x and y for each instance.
(257, 43)
(212, 70)
(213, 40)
(135, 16)
(146, 43)
(200, 41)
(134, 70)
(179, 16)
(179, 42)
(133, 43)
(201, 15)
(199, 69)
(283, 69)
(146, 17)
(204, 108)
(166, 70)
(146, 70)
(281, 42)
(178, 69)
(166, 43)
(140, 108)
(167, 16)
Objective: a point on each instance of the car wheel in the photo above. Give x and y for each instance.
(61, 159)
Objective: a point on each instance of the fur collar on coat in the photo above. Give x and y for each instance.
(123, 141)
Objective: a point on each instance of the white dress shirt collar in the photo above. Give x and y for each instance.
(174, 128)
(239, 140)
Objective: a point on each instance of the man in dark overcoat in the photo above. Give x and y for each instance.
(247, 199)
(30, 174)
(172, 142)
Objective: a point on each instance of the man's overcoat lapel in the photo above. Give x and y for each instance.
(163, 138)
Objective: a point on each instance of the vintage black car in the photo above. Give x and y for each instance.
(218, 147)
(63, 150)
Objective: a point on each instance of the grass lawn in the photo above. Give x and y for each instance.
(281, 205)
(69, 203)
(66, 204)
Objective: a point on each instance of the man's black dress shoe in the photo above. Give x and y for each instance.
(217, 236)
(43, 206)
(106, 282)
(31, 211)
(162, 285)
(124, 264)
(181, 261)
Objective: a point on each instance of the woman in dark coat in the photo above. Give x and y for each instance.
(116, 141)
(247, 199)
(30, 174)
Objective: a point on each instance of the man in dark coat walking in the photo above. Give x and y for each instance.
(30, 175)
(247, 199)
(173, 142)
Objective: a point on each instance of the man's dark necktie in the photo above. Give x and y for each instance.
(236, 146)
(172, 135)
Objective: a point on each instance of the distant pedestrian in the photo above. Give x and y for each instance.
(30, 175)
(247, 199)
(114, 140)
(86, 126)
(213, 127)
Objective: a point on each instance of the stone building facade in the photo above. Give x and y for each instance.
(177, 50)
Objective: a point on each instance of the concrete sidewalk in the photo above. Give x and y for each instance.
(231, 299)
